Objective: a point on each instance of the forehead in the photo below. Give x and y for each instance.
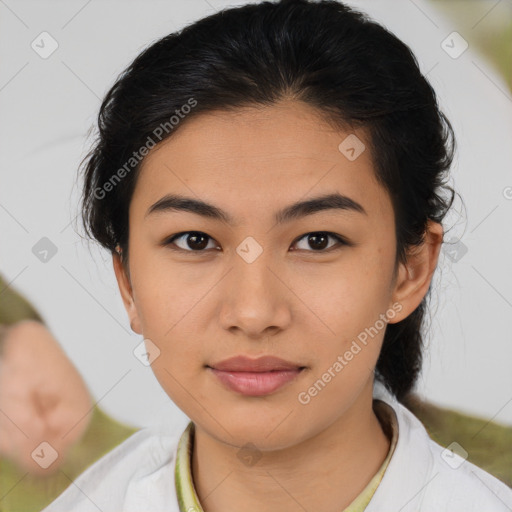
(258, 159)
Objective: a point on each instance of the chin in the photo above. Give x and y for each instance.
(268, 430)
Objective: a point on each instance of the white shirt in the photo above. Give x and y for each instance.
(422, 476)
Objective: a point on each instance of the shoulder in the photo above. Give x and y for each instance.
(422, 476)
(127, 476)
(458, 484)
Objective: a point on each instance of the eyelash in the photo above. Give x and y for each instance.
(169, 242)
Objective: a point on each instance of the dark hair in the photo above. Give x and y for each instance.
(351, 69)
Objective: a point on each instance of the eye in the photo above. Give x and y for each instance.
(197, 241)
(318, 240)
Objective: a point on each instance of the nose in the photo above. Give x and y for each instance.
(257, 300)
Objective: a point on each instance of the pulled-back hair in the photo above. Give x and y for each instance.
(325, 54)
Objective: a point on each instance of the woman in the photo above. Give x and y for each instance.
(270, 182)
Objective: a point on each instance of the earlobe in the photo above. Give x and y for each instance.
(415, 276)
(126, 291)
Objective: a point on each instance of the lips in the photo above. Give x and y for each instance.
(261, 364)
(255, 377)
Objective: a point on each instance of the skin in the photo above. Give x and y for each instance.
(43, 398)
(294, 302)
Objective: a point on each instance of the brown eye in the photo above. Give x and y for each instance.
(318, 241)
(191, 241)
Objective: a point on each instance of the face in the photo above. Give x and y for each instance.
(313, 289)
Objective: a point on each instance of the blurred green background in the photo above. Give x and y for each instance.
(487, 27)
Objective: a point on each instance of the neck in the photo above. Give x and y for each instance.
(326, 472)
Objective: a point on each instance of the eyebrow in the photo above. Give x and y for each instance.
(335, 201)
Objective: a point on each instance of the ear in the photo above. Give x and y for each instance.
(125, 287)
(413, 279)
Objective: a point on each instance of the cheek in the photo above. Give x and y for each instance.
(349, 296)
(170, 309)
(350, 304)
(160, 294)
(347, 339)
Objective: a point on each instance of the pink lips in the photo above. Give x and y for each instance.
(255, 377)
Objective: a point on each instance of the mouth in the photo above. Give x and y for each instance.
(255, 377)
